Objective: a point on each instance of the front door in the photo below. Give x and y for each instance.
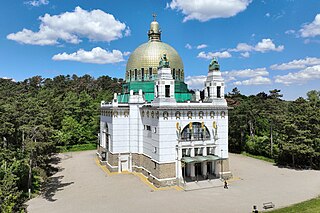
(209, 167)
(198, 169)
(124, 165)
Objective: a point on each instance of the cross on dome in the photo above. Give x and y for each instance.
(154, 15)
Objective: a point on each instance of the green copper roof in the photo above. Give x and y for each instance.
(181, 91)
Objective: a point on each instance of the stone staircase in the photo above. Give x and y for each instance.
(203, 184)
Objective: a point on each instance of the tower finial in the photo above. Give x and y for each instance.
(154, 33)
(154, 15)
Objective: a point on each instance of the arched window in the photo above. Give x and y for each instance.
(195, 131)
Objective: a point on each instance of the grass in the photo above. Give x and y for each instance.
(309, 206)
(258, 157)
(78, 147)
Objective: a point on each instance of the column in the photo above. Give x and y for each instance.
(192, 172)
(204, 168)
(179, 168)
(188, 166)
(130, 162)
(192, 150)
(119, 163)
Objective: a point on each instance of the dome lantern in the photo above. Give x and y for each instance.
(154, 33)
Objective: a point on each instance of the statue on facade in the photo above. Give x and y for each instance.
(214, 64)
(164, 62)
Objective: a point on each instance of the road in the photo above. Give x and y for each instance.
(82, 186)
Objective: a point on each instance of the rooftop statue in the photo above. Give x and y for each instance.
(214, 64)
(164, 62)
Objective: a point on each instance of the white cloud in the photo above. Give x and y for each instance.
(126, 53)
(96, 56)
(7, 78)
(267, 15)
(301, 77)
(259, 80)
(263, 46)
(247, 73)
(245, 54)
(188, 46)
(210, 55)
(289, 32)
(308, 41)
(204, 10)
(196, 82)
(37, 3)
(255, 77)
(202, 46)
(267, 45)
(96, 25)
(296, 64)
(312, 29)
(127, 32)
(242, 47)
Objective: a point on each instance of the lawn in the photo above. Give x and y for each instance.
(258, 157)
(79, 147)
(309, 206)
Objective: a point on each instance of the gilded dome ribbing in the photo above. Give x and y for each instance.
(145, 59)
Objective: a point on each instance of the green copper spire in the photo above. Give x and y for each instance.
(214, 65)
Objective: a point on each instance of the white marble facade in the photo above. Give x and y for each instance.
(168, 133)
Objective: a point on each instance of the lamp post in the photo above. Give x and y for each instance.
(221, 165)
(98, 141)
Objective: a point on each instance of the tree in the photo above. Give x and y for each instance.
(275, 93)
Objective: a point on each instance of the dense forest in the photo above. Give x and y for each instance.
(266, 125)
(39, 117)
(42, 116)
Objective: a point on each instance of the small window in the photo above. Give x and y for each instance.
(155, 165)
(142, 74)
(209, 150)
(148, 128)
(208, 90)
(174, 73)
(185, 153)
(150, 72)
(218, 91)
(167, 91)
(157, 88)
(135, 74)
(198, 151)
(155, 130)
(155, 150)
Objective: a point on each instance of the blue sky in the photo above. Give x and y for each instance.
(261, 44)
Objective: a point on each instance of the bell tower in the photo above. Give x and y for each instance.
(164, 84)
(214, 84)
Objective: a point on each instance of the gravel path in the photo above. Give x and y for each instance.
(82, 186)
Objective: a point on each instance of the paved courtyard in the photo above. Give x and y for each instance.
(82, 186)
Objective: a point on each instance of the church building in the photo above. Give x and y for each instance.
(159, 128)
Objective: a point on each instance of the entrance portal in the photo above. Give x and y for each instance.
(124, 165)
(198, 170)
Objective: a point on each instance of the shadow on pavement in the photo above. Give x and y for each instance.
(54, 184)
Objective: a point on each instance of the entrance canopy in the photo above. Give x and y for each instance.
(199, 159)
(212, 157)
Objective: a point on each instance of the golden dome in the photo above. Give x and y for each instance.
(148, 55)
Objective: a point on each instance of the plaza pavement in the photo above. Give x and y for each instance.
(83, 186)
